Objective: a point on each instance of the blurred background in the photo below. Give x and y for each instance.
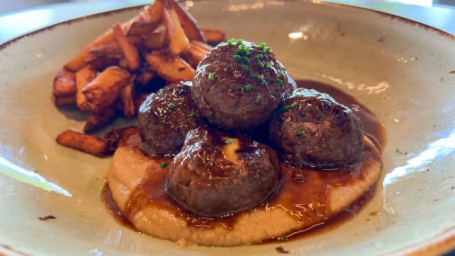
(9, 6)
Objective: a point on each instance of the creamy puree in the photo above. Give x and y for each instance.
(307, 197)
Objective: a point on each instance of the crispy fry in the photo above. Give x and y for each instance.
(99, 118)
(203, 45)
(127, 100)
(110, 50)
(86, 143)
(178, 42)
(144, 77)
(129, 51)
(79, 60)
(83, 76)
(64, 88)
(196, 54)
(101, 62)
(113, 137)
(155, 40)
(188, 22)
(104, 89)
(170, 67)
(153, 13)
(213, 36)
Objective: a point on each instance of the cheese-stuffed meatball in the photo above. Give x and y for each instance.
(165, 117)
(239, 84)
(219, 173)
(311, 129)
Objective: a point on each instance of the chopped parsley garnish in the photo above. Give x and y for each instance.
(252, 75)
(191, 115)
(261, 79)
(259, 56)
(264, 47)
(269, 64)
(301, 131)
(238, 58)
(397, 150)
(245, 67)
(257, 99)
(247, 88)
(260, 64)
(243, 50)
(287, 107)
(280, 81)
(212, 76)
(163, 165)
(171, 106)
(229, 141)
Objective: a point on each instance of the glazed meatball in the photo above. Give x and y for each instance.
(217, 173)
(165, 117)
(239, 84)
(311, 129)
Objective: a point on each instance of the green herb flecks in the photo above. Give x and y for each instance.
(212, 76)
(260, 64)
(257, 99)
(301, 131)
(247, 88)
(287, 107)
(245, 67)
(229, 141)
(171, 106)
(163, 165)
(269, 64)
(280, 81)
(243, 50)
(261, 79)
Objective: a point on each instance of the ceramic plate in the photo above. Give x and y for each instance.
(402, 71)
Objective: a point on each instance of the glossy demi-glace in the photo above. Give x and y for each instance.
(304, 192)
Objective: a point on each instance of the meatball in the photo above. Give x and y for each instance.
(239, 84)
(165, 117)
(311, 129)
(217, 173)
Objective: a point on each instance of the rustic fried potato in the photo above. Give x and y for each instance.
(188, 22)
(213, 36)
(104, 89)
(110, 50)
(203, 45)
(127, 100)
(99, 119)
(169, 67)
(83, 76)
(154, 12)
(129, 50)
(178, 42)
(155, 40)
(144, 77)
(99, 63)
(196, 54)
(64, 88)
(113, 137)
(80, 59)
(86, 143)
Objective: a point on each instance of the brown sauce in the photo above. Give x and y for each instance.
(303, 194)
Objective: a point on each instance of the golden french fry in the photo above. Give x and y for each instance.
(170, 67)
(155, 40)
(213, 36)
(64, 88)
(203, 45)
(104, 89)
(129, 51)
(86, 143)
(178, 42)
(153, 13)
(144, 77)
(98, 119)
(127, 100)
(83, 76)
(101, 62)
(196, 54)
(110, 50)
(188, 22)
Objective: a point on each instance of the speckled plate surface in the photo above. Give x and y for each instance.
(403, 71)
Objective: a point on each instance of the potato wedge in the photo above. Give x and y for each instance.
(64, 88)
(170, 67)
(110, 50)
(213, 36)
(83, 76)
(99, 119)
(155, 40)
(86, 143)
(203, 45)
(104, 89)
(144, 77)
(129, 50)
(127, 100)
(188, 22)
(178, 42)
(196, 54)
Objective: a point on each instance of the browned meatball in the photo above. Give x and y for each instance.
(165, 117)
(217, 173)
(239, 84)
(311, 129)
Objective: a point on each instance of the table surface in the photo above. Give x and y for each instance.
(441, 17)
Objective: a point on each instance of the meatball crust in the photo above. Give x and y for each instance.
(239, 84)
(165, 117)
(217, 173)
(311, 129)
